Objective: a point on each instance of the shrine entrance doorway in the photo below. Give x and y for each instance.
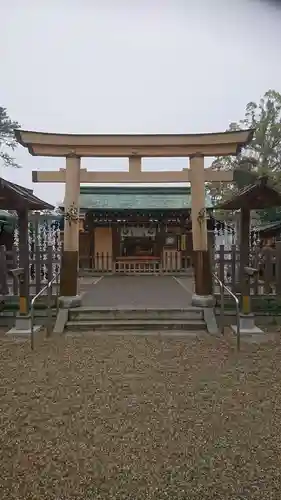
(138, 247)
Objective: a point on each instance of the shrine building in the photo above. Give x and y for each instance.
(137, 228)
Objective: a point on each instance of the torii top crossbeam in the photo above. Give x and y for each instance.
(162, 145)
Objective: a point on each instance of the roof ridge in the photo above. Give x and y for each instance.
(118, 189)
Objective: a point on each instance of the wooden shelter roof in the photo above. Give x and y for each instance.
(257, 196)
(268, 227)
(15, 197)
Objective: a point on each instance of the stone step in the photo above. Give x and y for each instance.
(139, 333)
(106, 314)
(140, 324)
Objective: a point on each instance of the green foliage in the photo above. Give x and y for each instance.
(263, 154)
(7, 138)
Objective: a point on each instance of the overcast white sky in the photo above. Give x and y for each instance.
(132, 66)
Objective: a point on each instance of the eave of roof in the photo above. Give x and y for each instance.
(254, 197)
(138, 200)
(117, 190)
(267, 227)
(18, 197)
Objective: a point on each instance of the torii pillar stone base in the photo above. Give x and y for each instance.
(22, 327)
(247, 325)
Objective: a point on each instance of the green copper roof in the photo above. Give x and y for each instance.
(137, 198)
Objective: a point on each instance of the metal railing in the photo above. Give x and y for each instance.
(223, 288)
(47, 287)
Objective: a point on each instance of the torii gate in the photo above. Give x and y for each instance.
(135, 147)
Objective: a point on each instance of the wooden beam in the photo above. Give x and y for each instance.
(133, 176)
(52, 175)
(30, 138)
(218, 175)
(157, 151)
(48, 176)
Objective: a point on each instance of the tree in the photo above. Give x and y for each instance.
(7, 138)
(263, 154)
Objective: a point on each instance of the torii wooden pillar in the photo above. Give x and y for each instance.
(70, 255)
(73, 147)
(201, 256)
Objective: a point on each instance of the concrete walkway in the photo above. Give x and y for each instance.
(138, 291)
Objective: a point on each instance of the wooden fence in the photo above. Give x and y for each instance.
(104, 263)
(267, 261)
(43, 264)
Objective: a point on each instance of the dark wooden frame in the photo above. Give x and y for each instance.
(21, 200)
(257, 196)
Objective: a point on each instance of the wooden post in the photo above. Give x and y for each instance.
(134, 164)
(23, 261)
(50, 289)
(4, 289)
(70, 261)
(244, 258)
(91, 246)
(278, 268)
(233, 268)
(37, 255)
(37, 268)
(201, 257)
(14, 265)
(221, 262)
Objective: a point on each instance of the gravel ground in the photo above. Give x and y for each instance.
(140, 418)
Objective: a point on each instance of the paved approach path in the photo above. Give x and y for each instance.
(138, 291)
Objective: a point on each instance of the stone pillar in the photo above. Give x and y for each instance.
(70, 260)
(201, 257)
